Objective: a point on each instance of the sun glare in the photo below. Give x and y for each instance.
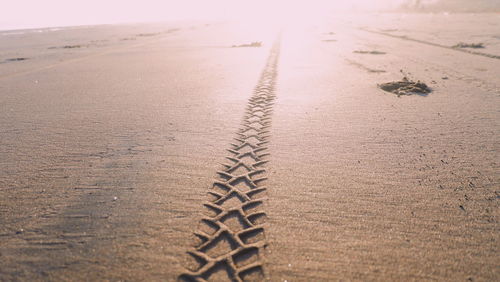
(273, 13)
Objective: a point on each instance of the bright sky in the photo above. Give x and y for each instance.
(44, 13)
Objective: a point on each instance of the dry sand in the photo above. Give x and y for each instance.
(107, 150)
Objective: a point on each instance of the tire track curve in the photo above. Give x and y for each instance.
(231, 236)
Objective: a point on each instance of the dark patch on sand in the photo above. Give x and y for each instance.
(406, 87)
(329, 40)
(128, 38)
(99, 41)
(148, 34)
(72, 46)
(369, 52)
(172, 30)
(68, 47)
(15, 59)
(469, 45)
(253, 44)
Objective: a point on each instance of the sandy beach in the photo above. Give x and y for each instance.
(112, 135)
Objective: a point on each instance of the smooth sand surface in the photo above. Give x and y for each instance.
(107, 150)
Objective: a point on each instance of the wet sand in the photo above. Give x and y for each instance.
(107, 151)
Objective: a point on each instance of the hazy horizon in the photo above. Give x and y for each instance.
(27, 14)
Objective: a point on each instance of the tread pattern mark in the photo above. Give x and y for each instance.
(231, 238)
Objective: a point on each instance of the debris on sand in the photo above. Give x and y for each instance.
(72, 46)
(469, 45)
(68, 47)
(253, 44)
(147, 34)
(15, 59)
(406, 87)
(369, 52)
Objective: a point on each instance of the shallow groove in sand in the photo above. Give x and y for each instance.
(403, 37)
(231, 236)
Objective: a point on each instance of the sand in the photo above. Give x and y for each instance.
(406, 86)
(107, 150)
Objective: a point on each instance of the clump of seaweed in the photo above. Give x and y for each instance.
(406, 86)
(253, 44)
(469, 45)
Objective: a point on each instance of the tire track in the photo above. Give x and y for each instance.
(403, 37)
(231, 236)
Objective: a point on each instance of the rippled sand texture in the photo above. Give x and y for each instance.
(111, 137)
